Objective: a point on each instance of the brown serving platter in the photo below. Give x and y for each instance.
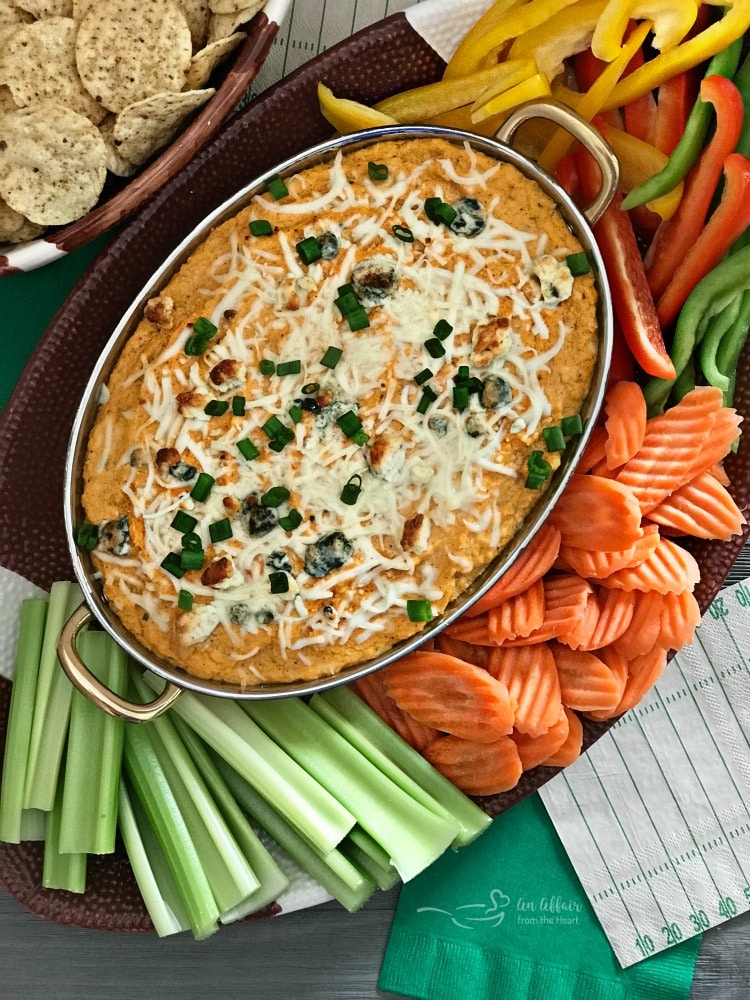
(34, 429)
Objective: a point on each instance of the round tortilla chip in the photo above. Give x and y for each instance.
(116, 163)
(221, 25)
(80, 7)
(196, 14)
(47, 8)
(234, 6)
(40, 65)
(10, 13)
(52, 163)
(28, 231)
(6, 98)
(128, 50)
(10, 221)
(205, 62)
(145, 127)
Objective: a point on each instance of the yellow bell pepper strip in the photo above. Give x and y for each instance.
(591, 102)
(349, 116)
(459, 63)
(702, 46)
(563, 36)
(529, 90)
(638, 161)
(641, 114)
(425, 102)
(672, 19)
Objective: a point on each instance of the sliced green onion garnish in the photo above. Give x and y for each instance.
(463, 372)
(289, 367)
(358, 319)
(424, 376)
(438, 211)
(87, 536)
(277, 188)
(172, 564)
(534, 481)
(216, 407)
(192, 560)
(267, 367)
(185, 600)
(238, 406)
(377, 171)
(434, 348)
(419, 611)
(261, 227)
(183, 522)
(361, 438)
(279, 583)
(572, 425)
(349, 423)
(278, 444)
(539, 465)
(403, 233)
(247, 449)
(203, 486)
(196, 345)
(554, 438)
(192, 542)
(578, 263)
(474, 385)
(273, 427)
(442, 330)
(309, 250)
(331, 357)
(447, 213)
(428, 398)
(276, 496)
(220, 531)
(347, 303)
(460, 397)
(346, 289)
(204, 327)
(352, 489)
(295, 412)
(291, 520)
(310, 388)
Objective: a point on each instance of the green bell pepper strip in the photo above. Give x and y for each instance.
(716, 330)
(689, 147)
(741, 80)
(685, 383)
(730, 348)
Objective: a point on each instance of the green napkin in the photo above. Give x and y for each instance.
(507, 917)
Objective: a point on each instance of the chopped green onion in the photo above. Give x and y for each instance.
(295, 412)
(358, 319)
(474, 385)
(442, 330)
(191, 560)
(347, 289)
(238, 406)
(172, 564)
(310, 388)
(87, 536)
(349, 423)
(347, 303)
(578, 263)
(277, 188)
(377, 171)
(434, 348)
(192, 542)
(289, 367)
(203, 486)
(278, 444)
(553, 438)
(291, 521)
(204, 327)
(279, 583)
(216, 407)
(403, 233)
(460, 397)
(534, 481)
(275, 497)
(331, 357)
(424, 376)
(273, 427)
(267, 367)
(308, 250)
(438, 211)
(247, 449)
(463, 372)
(196, 345)
(185, 600)
(419, 611)
(572, 425)
(351, 491)
(361, 438)
(539, 465)
(261, 227)
(428, 398)
(183, 522)
(220, 531)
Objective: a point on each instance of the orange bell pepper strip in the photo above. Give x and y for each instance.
(631, 296)
(673, 241)
(729, 221)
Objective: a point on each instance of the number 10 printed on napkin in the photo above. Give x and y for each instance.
(656, 816)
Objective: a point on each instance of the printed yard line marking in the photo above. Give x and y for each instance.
(322, 22)
(743, 665)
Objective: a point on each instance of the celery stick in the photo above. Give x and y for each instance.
(61, 871)
(20, 714)
(412, 835)
(33, 825)
(52, 705)
(365, 730)
(150, 869)
(338, 876)
(367, 858)
(94, 757)
(271, 878)
(149, 782)
(270, 770)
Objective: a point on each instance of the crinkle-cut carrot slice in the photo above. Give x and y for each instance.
(642, 633)
(616, 609)
(625, 406)
(518, 616)
(597, 513)
(725, 429)
(618, 664)
(530, 675)
(534, 750)
(476, 768)
(680, 616)
(474, 630)
(594, 451)
(582, 633)
(570, 751)
(719, 473)
(451, 695)
(672, 442)
(702, 508)
(469, 651)
(372, 691)
(586, 682)
(603, 470)
(565, 598)
(597, 565)
(530, 566)
(645, 671)
(669, 569)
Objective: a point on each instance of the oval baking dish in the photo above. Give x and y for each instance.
(576, 221)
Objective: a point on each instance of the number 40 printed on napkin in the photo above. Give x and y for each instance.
(656, 816)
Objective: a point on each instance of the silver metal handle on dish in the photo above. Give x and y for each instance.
(581, 130)
(92, 688)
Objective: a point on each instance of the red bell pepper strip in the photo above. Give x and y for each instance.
(641, 114)
(729, 221)
(622, 366)
(673, 240)
(676, 99)
(566, 174)
(631, 296)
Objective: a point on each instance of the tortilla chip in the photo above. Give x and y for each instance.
(233, 6)
(52, 163)
(28, 231)
(80, 7)
(6, 97)
(128, 50)
(196, 14)
(222, 25)
(10, 13)
(47, 8)
(40, 65)
(146, 126)
(205, 62)
(10, 221)
(116, 163)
